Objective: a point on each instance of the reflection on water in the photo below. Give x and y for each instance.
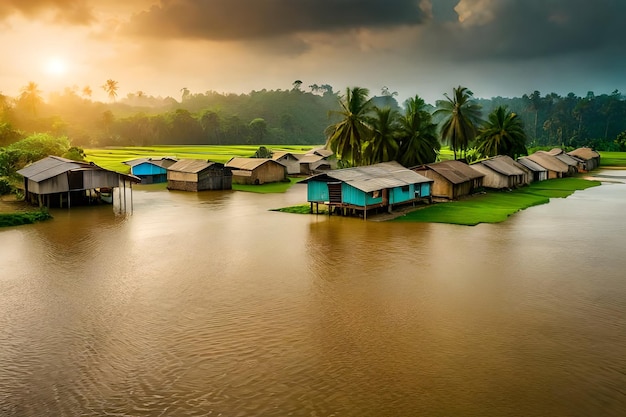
(209, 304)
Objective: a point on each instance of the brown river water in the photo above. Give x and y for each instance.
(209, 304)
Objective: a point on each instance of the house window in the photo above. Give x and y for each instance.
(405, 188)
(375, 194)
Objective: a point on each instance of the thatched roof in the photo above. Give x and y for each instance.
(549, 162)
(193, 165)
(584, 153)
(504, 165)
(374, 177)
(456, 172)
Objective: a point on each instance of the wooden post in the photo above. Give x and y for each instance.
(68, 200)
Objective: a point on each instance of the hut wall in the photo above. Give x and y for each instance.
(441, 186)
(147, 169)
(97, 179)
(292, 165)
(182, 185)
(213, 179)
(402, 194)
(317, 191)
(270, 171)
(462, 189)
(492, 179)
(182, 176)
(425, 189)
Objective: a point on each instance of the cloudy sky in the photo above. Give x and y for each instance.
(426, 47)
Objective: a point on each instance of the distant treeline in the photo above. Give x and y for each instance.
(293, 116)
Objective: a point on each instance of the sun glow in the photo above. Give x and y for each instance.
(56, 66)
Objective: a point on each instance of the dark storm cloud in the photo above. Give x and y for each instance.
(254, 19)
(64, 11)
(523, 29)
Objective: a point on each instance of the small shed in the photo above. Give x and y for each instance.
(290, 160)
(502, 172)
(555, 167)
(256, 170)
(539, 173)
(312, 163)
(452, 179)
(367, 187)
(587, 157)
(198, 175)
(55, 181)
(151, 170)
(572, 163)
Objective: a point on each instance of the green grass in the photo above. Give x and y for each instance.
(301, 209)
(112, 157)
(613, 159)
(497, 206)
(273, 187)
(18, 219)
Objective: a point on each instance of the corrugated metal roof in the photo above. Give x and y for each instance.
(567, 159)
(530, 164)
(555, 151)
(49, 167)
(191, 165)
(276, 156)
(548, 161)
(248, 164)
(162, 161)
(584, 153)
(503, 164)
(309, 158)
(456, 172)
(322, 152)
(377, 177)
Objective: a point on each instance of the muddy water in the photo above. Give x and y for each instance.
(209, 304)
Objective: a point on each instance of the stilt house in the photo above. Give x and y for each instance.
(367, 187)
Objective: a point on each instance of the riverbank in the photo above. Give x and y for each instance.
(14, 212)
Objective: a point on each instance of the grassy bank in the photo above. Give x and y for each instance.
(613, 159)
(273, 187)
(496, 206)
(113, 157)
(20, 218)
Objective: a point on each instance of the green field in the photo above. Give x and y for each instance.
(613, 159)
(20, 218)
(113, 157)
(496, 206)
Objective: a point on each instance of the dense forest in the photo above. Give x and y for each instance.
(295, 116)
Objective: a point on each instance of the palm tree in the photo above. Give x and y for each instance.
(502, 134)
(87, 91)
(461, 116)
(382, 146)
(418, 139)
(346, 138)
(111, 89)
(30, 95)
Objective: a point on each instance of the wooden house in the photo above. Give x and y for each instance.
(290, 160)
(312, 163)
(58, 182)
(198, 175)
(538, 172)
(555, 167)
(367, 187)
(256, 170)
(587, 157)
(151, 170)
(502, 172)
(452, 179)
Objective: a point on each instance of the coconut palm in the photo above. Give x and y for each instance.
(502, 134)
(30, 96)
(86, 92)
(461, 115)
(111, 87)
(346, 138)
(417, 135)
(382, 145)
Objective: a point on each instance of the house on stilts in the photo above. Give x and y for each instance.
(59, 182)
(359, 189)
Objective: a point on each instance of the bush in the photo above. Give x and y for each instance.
(5, 186)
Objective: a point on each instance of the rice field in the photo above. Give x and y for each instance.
(112, 158)
(613, 159)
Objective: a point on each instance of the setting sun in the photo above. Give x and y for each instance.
(56, 66)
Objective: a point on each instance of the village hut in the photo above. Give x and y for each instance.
(256, 170)
(198, 175)
(538, 172)
(290, 160)
(151, 170)
(452, 179)
(312, 163)
(555, 167)
(367, 187)
(572, 163)
(502, 172)
(587, 157)
(59, 182)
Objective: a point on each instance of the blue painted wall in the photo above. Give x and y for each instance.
(317, 191)
(146, 168)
